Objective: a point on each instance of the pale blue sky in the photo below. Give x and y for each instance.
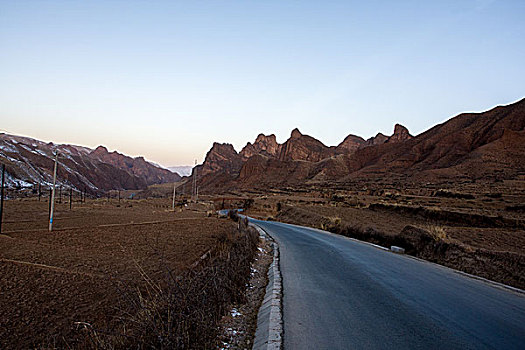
(165, 79)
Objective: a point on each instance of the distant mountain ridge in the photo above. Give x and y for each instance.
(487, 145)
(182, 170)
(29, 161)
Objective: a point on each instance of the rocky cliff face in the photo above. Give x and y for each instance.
(400, 134)
(350, 144)
(29, 161)
(379, 139)
(475, 145)
(222, 157)
(304, 147)
(263, 145)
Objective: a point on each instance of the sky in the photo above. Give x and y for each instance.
(166, 79)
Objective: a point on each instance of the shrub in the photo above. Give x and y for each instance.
(248, 203)
(438, 233)
(234, 215)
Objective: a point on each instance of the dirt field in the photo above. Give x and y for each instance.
(51, 282)
(487, 217)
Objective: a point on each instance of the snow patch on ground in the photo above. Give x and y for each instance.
(26, 147)
(40, 152)
(8, 148)
(235, 312)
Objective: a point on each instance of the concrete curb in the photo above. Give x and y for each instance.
(269, 319)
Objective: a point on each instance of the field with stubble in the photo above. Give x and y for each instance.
(55, 285)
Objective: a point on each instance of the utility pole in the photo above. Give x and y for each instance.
(173, 204)
(194, 189)
(70, 197)
(53, 193)
(2, 197)
(39, 191)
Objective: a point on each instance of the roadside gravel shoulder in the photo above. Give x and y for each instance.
(269, 320)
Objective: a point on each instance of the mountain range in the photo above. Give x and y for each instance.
(488, 145)
(29, 162)
(470, 146)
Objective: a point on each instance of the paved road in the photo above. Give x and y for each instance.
(343, 294)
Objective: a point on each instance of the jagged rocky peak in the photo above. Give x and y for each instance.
(222, 148)
(221, 157)
(350, 144)
(377, 140)
(263, 138)
(100, 150)
(265, 145)
(296, 134)
(304, 147)
(400, 129)
(400, 134)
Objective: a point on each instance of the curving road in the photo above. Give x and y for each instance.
(343, 294)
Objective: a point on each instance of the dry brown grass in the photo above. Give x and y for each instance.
(330, 223)
(437, 232)
(183, 311)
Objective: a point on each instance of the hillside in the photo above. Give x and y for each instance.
(29, 162)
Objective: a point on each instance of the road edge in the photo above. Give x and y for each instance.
(268, 334)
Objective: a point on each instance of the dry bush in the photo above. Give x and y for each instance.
(437, 232)
(234, 215)
(332, 224)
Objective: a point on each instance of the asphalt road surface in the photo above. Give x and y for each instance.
(343, 294)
